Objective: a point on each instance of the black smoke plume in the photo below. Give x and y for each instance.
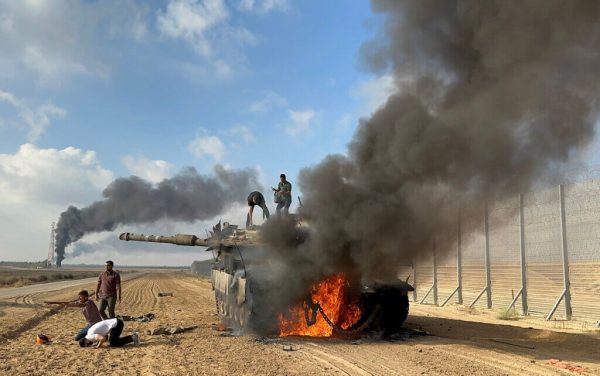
(491, 97)
(187, 196)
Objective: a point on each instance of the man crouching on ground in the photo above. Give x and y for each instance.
(88, 308)
(110, 330)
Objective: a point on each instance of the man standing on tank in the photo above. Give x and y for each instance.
(256, 198)
(108, 290)
(284, 195)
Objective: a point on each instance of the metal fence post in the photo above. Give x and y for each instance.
(414, 268)
(488, 275)
(524, 305)
(565, 253)
(566, 294)
(459, 262)
(435, 284)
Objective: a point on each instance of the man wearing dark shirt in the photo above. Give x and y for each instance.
(108, 290)
(256, 198)
(88, 308)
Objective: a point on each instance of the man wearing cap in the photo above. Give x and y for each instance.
(108, 290)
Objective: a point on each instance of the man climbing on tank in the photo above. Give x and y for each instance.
(283, 195)
(256, 199)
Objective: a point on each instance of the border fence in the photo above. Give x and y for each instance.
(537, 254)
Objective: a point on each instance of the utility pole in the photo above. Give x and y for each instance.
(50, 259)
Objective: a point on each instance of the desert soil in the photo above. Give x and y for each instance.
(460, 341)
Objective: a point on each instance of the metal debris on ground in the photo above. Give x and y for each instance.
(267, 340)
(143, 318)
(288, 348)
(221, 328)
(160, 294)
(564, 365)
(406, 333)
(170, 330)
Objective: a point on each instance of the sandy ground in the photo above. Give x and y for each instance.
(461, 342)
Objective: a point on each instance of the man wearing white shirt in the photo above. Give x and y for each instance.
(112, 328)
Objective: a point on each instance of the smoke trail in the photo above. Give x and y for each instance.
(187, 196)
(492, 95)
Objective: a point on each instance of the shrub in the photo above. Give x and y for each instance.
(507, 315)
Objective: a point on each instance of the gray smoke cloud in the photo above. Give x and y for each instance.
(492, 97)
(187, 196)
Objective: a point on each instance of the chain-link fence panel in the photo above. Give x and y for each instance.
(582, 209)
(504, 235)
(542, 249)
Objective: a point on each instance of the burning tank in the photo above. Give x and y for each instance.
(333, 305)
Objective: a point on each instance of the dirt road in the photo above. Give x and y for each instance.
(11, 292)
(460, 343)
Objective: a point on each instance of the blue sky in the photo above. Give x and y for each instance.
(94, 90)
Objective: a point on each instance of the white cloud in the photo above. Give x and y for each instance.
(191, 20)
(36, 120)
(53, 41)
(206, 27)
(263, 6)
(59, 39)
(151, 170)
(36, 185)
(50, 175)
(267, 103)
(374, 92)
(205, 145)
(300, 122)
(243, 132)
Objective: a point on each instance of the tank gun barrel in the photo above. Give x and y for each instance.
(179, 239)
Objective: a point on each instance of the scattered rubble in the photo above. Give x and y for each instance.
(564, 365)
(169, 331)
(267, 340)
(143, 318)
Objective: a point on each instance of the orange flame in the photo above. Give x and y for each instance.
(331, 294)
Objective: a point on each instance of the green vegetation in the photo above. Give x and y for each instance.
(24, 264)
(509, 314)
(23, 277)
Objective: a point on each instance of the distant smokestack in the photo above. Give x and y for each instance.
(187, 196)
(492, 96)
